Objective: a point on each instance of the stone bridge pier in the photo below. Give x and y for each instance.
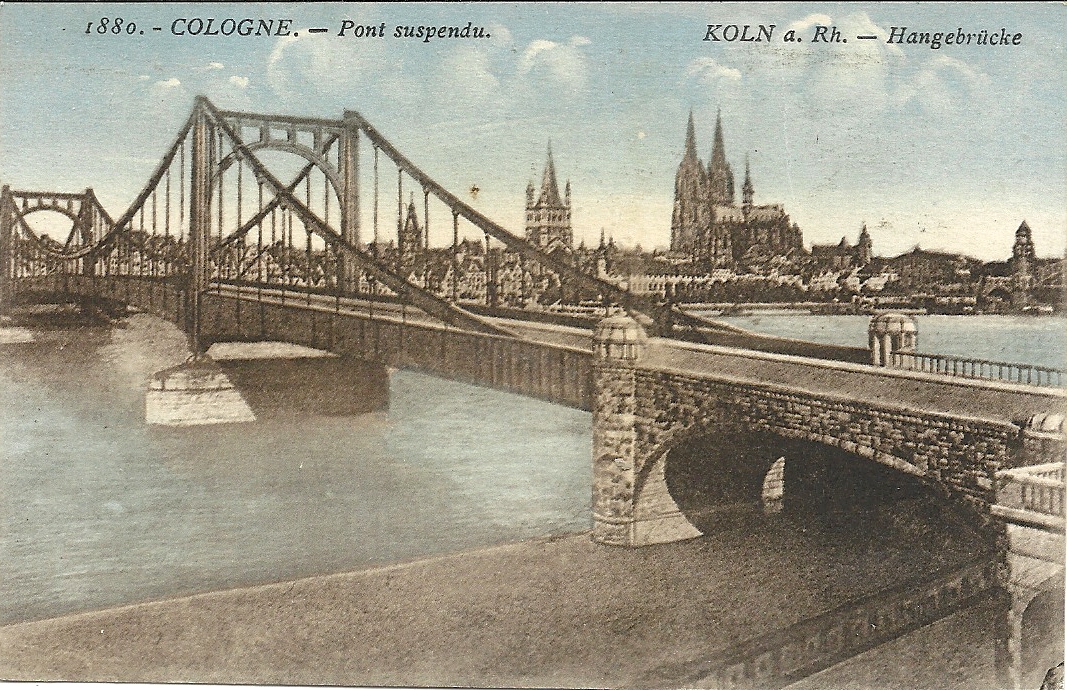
(617, 467)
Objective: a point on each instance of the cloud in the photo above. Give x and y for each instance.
(801, 26)
(709, 71)
(299, 65)
(500, 33)
(171, 83)
(215, 65)
(467, 72)
(945, 85)
(239, 82)
(557, 62)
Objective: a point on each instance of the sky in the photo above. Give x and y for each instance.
(947, 149)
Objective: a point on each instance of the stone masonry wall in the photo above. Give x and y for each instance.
(961, 456)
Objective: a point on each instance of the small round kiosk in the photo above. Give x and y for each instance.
(890, 334)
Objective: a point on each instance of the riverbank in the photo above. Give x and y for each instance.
(561, 612)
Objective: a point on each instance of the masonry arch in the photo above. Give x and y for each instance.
(729, 476)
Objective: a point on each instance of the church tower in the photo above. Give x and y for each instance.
(747, 190)
(1022, 266)
(691, 212)
(720, 175)
(548, 217)
(410, 240)
(864, 247)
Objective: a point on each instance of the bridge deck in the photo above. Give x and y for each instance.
(977, 399)
(911, 391)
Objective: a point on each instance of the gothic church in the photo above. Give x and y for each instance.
(548, 217)
(709, 228)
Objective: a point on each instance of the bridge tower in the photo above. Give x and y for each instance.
(201, 165)
(6, 255)
(619, 517)
(349, 278)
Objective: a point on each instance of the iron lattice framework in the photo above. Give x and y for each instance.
(215, 216)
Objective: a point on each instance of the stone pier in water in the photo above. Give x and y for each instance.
(240, 382)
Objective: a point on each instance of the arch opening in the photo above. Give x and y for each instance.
(730, 480)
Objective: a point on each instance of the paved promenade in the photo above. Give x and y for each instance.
(558, 613)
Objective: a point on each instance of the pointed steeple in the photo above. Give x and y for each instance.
(718, 148)
(548, 220)
(720, 176)
(746, 189)
(691, 139)
(549, 186)
(864, 247)
(410, 239)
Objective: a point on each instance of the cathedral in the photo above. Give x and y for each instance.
(548, 217)
(708, 226)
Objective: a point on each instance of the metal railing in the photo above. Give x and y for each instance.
(966, 367)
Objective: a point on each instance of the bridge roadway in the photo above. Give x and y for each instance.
(983, 400)
(914, 391)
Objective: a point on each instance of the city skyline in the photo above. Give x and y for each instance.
(946, 149)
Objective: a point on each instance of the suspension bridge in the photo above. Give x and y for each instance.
(233, 245)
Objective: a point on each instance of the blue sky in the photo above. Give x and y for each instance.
(948, 149)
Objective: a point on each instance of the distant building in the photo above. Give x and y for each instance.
(548, 217)
(707, 225)
(1024, 281)
(1023, 263)
(410, 238)
(844, 256)
(922, 271)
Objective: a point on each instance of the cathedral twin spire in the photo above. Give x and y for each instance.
(720, 175)
(691, 139)
(708, 226)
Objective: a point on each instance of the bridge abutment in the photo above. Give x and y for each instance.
(242, 382)
(195, 393)
(622, 517)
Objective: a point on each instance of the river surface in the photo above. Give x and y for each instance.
(1001, 338)
(98, 509)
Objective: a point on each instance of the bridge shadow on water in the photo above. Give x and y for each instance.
(326, 385)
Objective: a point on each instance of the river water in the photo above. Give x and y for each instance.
(1017, 339)
(97, 509)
